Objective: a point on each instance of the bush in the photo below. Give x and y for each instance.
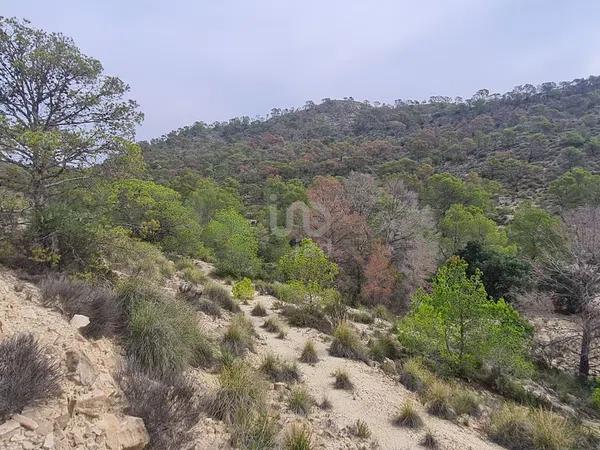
(309, 353)
(264, 287)
(362, 316)
(221, 296)
(273, 325)
(240, 389)
(386, 346)
(518, 428)
(164, 336)
(169, 406)
(347, 344)
(278, 370)
(208, 307)
(437, 399)
(307, 315)
(243, 290)
(293, 292)
(298, 437)
(259, 310)
(254, 431)
(429, 440)
(381, 312)
(77, 297)
(595, 398)
(325, 403)
(342, 380)
(300, 401)
(408, 416)
(464, 401)
(27, 375)
(193, 275)
(239, 336)
(361, 429)
(414, 376)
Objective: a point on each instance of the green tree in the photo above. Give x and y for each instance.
(234, 243)
(535, 231)
(308, 264)
(208, 197)
(577, 187)
(243, 289)
(459, 325)
(58, 111)
(443, 190)
(463, 224)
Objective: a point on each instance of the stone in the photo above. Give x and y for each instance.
(80, 368)
(8, 428)
(48, 441)
(79, 321)
(26, 422)
(128, 434)
(92, 406)
(279, 386)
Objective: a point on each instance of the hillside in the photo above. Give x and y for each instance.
(524, 138)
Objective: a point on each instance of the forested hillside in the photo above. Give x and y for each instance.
(523, 139)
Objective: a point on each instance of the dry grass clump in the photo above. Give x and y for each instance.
(259, 310)
(408, 416)
(347, 344)
(221, 296)
(241, 389)
(254, 431)
(71, 297)
(465, 401)
(298, 437)
(169, 406)
(307, 316)
(342, 380)
(208, 307)
(300, 401)
(239, 336)
(325, 403)
(385, 346)
(415, 376)
(27, 375)
(274, 325)
(361, 429)
(430, 441)
(437, 399)
(362, 316)
(309, 353)
(279, 370)
(520, 428)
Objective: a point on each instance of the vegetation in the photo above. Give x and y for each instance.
(408, 416)
(274, 325)
(342, 380)
(259, 310)
(243, 290)
(361, 429)
(309, 353)
(255, 431)
(298, 437)
(278, 370)
(27, 375)
(300, 401)
(221, 296)
(347, 344)
(239, 336)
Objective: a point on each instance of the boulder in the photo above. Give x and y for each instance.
(93, 406)
(79, 321)
(127, 434)
(26, 422)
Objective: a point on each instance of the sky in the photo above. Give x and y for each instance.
(201, 60)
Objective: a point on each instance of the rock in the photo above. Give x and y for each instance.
(279, 386)
(93, 406)
(79, 321)
(8, 428)
(128, 434)
(26, 422)
(80, 368)
(389, 367)
(49, 441)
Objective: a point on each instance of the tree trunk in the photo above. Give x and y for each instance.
(584, 353)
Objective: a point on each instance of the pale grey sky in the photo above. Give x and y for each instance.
(212, 60)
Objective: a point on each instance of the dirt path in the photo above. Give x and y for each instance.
(375, 399)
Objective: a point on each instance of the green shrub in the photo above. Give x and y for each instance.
(385, 346)
(292, 292)
(300, 401)
(221, 296)
(595, 398)
(279, 370)
(298, 437)
(342, 380)
(259, 310)
(309, 353)
(308, 315)
(243, 290)
(347, 344)
(239, 336)
(254, 431)
(408, 416)
(240, 389)
(361, 429)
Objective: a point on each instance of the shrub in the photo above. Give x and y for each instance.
(362, 316)
(259, 310)
(77, 297)
(208, 307)
(278, 370)
(342, 380)
(308, 315)
(429, 440)
(293, 292)
(309, 353)
(347, 344)
(300, 401)
(386, 346)
(273, 325)
(414, 376)
(221, 296)
(595, 398)
(240, 389)
(243, 289)
(408, 416)
(298, 437)
(27, 375)
(361, 429)
(169, 406)
(254, 431)
(464, 401)
(437, 399)
(239, 336)
(381, 312)
(264, 287)
(193, 275)
(551, 431)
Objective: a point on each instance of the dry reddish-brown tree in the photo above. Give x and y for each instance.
(380, 276)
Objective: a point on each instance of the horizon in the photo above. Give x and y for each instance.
(190, 62)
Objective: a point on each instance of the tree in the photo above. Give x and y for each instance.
(208, 197)
(577, 187)
(380, 277)
(463, 224)
(58, 111)
(573, 279)
(443, 190)
(535, 231)
(308, 264)
(234, 243)
(458, 324)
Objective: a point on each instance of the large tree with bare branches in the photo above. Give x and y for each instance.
(58, 111)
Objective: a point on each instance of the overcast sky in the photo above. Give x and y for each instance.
(212, 60)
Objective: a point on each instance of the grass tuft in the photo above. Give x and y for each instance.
(279, 370)
(430, 441)
(259, 310)
(309, 353)
(347, 344)
(239, 336)
(300, 401)
(298, 437)
(221, 296)
(342, 380)
(361, 429)
(254, 431)
(437, 399)
(414, 376)
(208, 307)
(408, 416)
